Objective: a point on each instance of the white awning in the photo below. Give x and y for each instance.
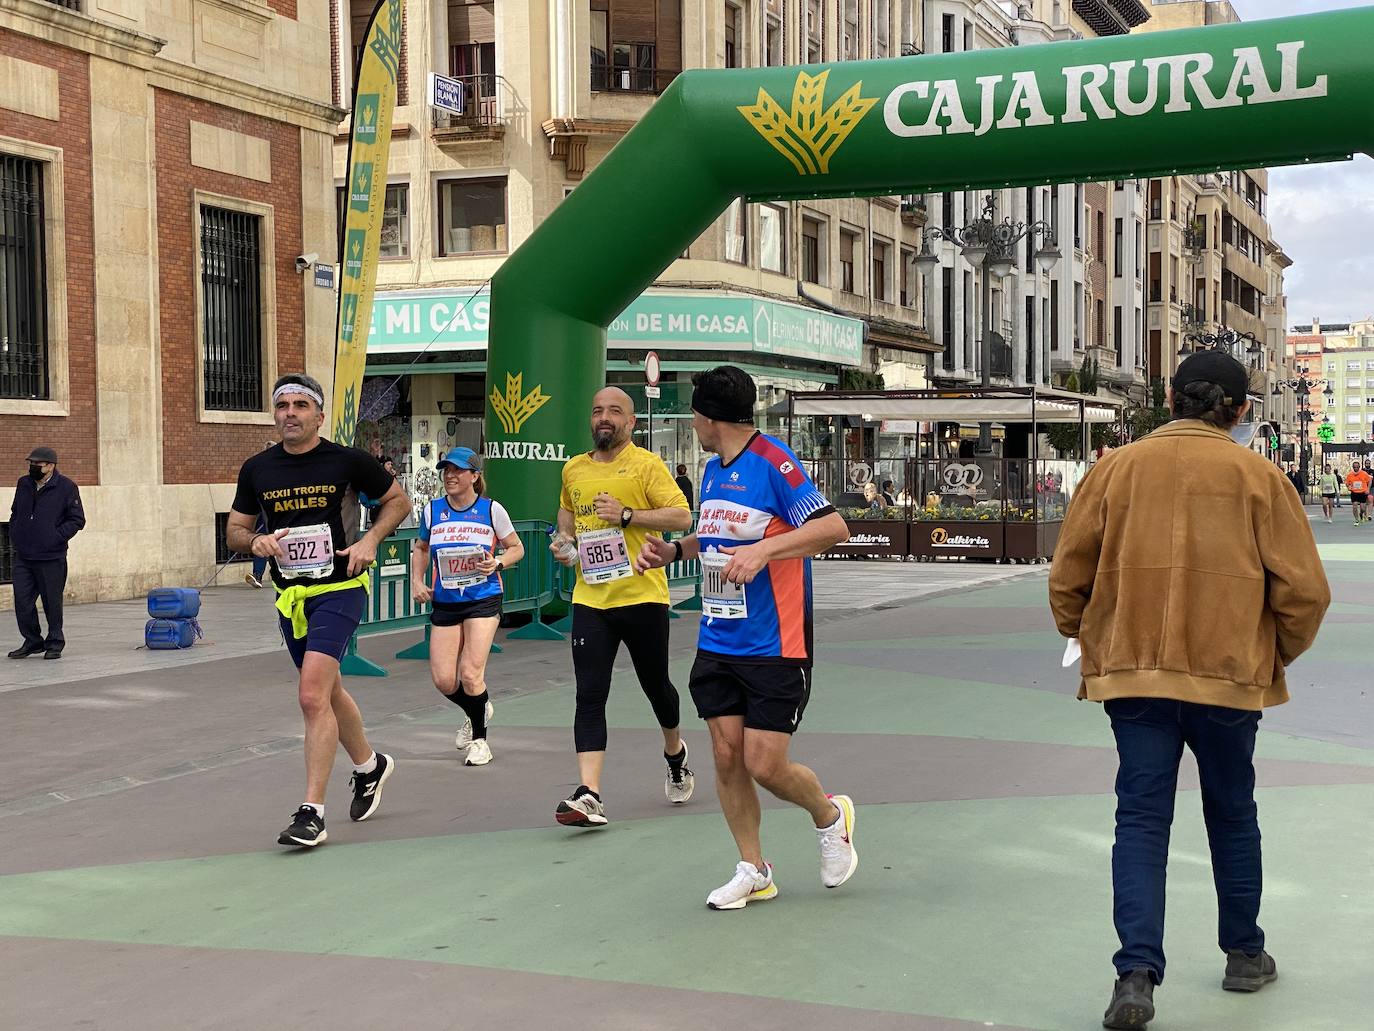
(953, 409)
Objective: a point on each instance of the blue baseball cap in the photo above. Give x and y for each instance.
(462, 458)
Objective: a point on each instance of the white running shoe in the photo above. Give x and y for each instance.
(581, 809)
(748, 885)
(839, 860)
(679, 788)
(479, 753)
(464, 737)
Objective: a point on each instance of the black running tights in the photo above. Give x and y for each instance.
(596, 638)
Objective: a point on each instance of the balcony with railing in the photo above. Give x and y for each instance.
(914, 210)
(70, 5)
(639, 79)
(485, 111)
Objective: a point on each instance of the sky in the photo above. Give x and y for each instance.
(1322, 215)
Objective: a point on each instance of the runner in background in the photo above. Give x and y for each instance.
(614, 497)
(1358, 483)
(456, 552)
(1330, 485)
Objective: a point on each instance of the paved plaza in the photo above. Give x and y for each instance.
(140, 887)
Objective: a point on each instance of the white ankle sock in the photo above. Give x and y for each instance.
(368, 766)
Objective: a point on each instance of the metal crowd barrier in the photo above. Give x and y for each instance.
(529, 587)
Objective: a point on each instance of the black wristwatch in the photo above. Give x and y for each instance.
(677, 552)
(626, 514)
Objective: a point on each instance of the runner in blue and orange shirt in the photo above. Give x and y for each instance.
(762, 519)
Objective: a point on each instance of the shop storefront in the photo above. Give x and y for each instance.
(427, 364)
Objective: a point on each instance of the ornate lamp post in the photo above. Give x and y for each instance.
(989, 245)
(1303, 388)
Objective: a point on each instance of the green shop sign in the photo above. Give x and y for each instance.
(699, 322)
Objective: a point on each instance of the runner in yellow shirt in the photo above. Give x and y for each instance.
(613, 497)
(1358, 482)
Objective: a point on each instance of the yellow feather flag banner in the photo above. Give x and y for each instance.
(369, 146)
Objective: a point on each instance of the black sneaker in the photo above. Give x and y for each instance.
(1246, 973)
(367, 788)
(1132, 1002)
(306, 830)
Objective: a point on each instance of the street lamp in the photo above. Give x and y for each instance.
(1303, 387)
(990, 245)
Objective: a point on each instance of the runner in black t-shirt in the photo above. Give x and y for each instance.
(305, 490)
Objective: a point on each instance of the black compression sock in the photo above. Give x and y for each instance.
(676, 761)
(476, 708)
(457, 697)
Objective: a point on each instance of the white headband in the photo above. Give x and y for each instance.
(296, 388)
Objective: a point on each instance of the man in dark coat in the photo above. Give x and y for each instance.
(46, 514)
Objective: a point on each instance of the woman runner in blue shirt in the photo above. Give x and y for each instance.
(459, 533)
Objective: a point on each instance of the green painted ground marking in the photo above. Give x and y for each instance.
(1047, 640)
(1014, 888)
(1342, 552)
(861, 700)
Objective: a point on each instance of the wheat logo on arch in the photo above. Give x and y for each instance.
(807, 136)
(513, 408)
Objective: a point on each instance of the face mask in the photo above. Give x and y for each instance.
(35, 471)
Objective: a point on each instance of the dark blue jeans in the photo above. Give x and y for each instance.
(1150, 735)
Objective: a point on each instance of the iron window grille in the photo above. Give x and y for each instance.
(231, 287)
(23, 281)
(222, 551)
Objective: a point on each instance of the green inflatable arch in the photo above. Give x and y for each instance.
(1236, 96)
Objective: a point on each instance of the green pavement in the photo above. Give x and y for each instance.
(994, 910)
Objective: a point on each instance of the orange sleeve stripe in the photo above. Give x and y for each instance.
(788, 578)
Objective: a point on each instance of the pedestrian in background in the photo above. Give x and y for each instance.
(46, 514)
(1330, 485)
(685, 485)
(1187, 570)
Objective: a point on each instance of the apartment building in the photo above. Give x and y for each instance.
(549, 90)
(1213, 262)
(162, 165)
(1338, 357)
(1091, 304)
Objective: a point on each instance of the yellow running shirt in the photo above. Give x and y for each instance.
(637, 479)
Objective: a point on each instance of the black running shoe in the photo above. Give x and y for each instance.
(306, 830)
(1247, 973)
(367, 788)
(1132, 1004)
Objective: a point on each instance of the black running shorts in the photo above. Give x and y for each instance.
(770, 696)
(455, 613)
(1357, 498)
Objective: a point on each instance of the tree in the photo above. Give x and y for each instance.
(1149, 418)
(858, 379)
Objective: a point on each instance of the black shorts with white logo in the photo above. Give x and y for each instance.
(769, 695)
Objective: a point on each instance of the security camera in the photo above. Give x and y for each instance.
(306, 261)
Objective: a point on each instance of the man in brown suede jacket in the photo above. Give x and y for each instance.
(1187, 570)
